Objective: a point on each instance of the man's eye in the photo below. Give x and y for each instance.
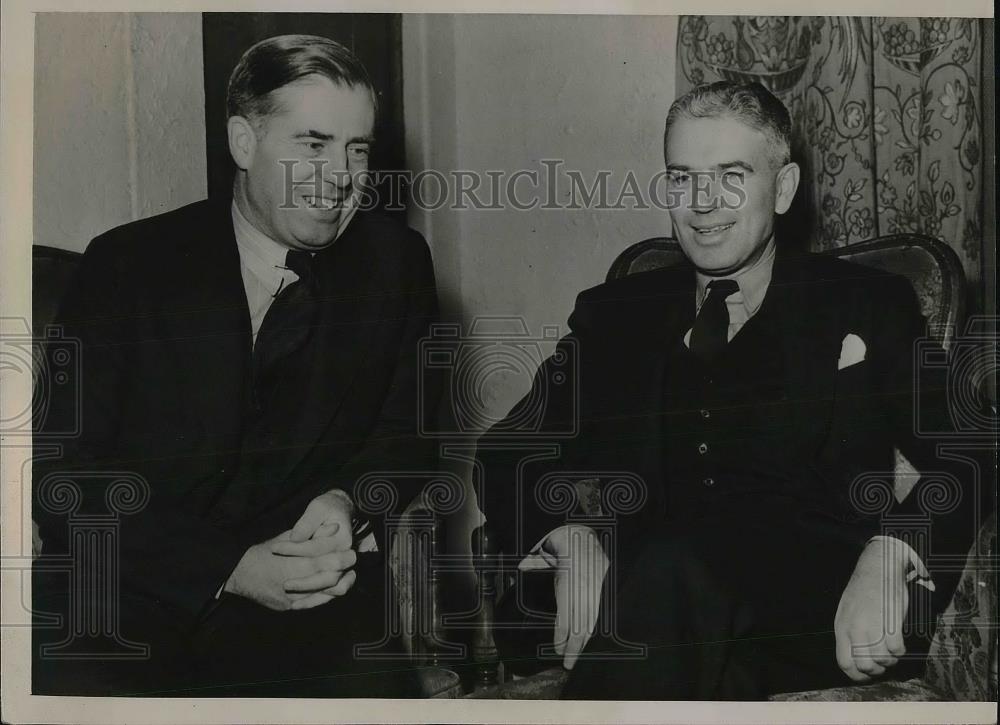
(733, 176)
(358, 151)
(679, 178)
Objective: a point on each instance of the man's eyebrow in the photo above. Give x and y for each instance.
(320, 136)
(735, 164)
(724, 165)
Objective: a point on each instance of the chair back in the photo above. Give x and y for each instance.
(932, 267)
(52, 270)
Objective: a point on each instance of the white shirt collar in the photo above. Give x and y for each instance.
(753, 281)
(264, 257)
(261, 255)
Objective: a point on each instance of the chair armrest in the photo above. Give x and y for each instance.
(416, 542)
(485, 562)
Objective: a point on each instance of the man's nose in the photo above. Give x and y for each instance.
(333, 168)
(705, 195)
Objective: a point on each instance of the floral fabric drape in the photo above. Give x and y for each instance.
(887, 116)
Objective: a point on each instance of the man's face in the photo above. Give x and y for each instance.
(721, 155)
(299, 163)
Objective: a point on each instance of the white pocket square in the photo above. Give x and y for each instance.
(852, 351)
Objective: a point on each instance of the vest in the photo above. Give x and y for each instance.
(729, 428)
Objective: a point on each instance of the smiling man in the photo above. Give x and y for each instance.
(749, 391)
(251, 359)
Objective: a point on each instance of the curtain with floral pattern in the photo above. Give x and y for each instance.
(887, 116)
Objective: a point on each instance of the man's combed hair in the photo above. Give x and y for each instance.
(749, 103)
(275, 62)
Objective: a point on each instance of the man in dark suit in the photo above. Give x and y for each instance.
(246, 362)
(757, 397)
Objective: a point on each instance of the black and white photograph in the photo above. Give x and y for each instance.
(595, 361)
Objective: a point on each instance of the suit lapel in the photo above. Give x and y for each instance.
(678, 307)
(645, 381)
(208, 322)
(651, 325)
(803, 317)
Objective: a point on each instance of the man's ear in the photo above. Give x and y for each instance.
(242, 141)
(786, 183)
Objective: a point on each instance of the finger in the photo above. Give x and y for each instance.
(327, 529)
(314, 583)
(845, 660)
(574, 646)
(894, 644)
(886, 660)
(310, 547)
(337, 560)
(870, 667)
(857, 675)
(316, 573)
(532, 562)
(582, 631)
(864, 658)
(337, 590)
(344, 585)
(561, 633)
(843, 647)
(341, 535)
(314, 517)
(313, 600)
(583, 620)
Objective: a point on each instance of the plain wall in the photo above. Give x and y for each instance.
(503, 92)
(119, 121)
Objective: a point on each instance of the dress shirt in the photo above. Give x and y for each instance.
(743, 304)
(262, 262)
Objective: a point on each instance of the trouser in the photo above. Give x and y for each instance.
(734, 606)
(240, 649)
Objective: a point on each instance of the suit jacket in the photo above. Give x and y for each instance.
(829, 425)
(161, 317)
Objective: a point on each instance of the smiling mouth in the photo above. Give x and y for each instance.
(713, 230)
(321, 202)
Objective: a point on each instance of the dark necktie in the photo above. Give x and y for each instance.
(289, 320)
(710, 331)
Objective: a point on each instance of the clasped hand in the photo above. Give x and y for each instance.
(303, 567)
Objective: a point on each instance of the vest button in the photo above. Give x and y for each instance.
(708, 481)
(703, 448)
(705, 413)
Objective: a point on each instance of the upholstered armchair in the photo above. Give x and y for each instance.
(962, 664)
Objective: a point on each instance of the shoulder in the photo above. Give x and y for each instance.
(842, 282)
(151, 240)
(396, 249)
(397, 255)
(641, 285)
(634, 300)
(387, 234)
(851, 298)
